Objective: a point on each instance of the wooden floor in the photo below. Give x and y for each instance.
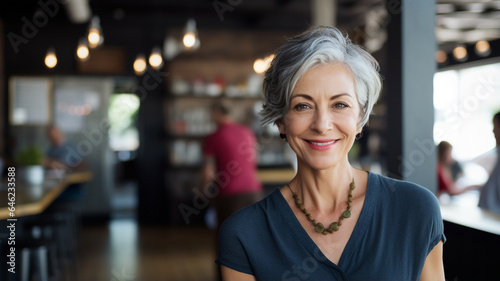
(123, 251)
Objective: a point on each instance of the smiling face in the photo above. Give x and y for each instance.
(321, 123)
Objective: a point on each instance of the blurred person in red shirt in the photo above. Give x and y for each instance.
(230, 161)
(446, 182)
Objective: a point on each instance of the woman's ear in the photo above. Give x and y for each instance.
(281, 126)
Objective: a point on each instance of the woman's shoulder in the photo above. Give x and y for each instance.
(251, 218)
(403, 192)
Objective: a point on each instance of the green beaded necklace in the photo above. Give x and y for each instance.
(334, 226)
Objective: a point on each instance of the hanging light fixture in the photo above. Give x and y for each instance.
(460, 53)
(140, 64)
(155, 59)
(51, 58)
(190, 39)
(95, 36)
(441, 56)
(82, 51)
(482, 48)
(261, 65)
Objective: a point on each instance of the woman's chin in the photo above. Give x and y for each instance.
(321, 164)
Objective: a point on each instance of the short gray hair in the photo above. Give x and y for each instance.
(318, 45)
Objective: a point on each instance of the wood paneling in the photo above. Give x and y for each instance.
(109, 60)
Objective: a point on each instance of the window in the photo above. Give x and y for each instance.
(465, 101)
(123, 134)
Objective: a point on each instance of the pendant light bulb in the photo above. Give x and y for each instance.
(82, 51)
(140, 64)
(190, 39)
(155, 59)
(95, 37)
(51, 58)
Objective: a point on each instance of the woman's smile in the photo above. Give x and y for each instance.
(321, 144)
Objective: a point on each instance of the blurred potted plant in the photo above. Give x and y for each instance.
(30, 158)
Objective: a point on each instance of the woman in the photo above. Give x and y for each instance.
(331, 221)
(446, 183)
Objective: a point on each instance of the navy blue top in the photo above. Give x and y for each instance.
(399, 225)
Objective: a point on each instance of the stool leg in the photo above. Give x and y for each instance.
(25, 263)
(42, 263)
(54, 262)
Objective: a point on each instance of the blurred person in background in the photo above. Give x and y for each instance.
(445, 171)
(490, 193)
(62, 153)
(331, 221)
(230, 161)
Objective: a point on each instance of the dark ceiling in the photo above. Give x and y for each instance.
(457, 21)
(246, 14)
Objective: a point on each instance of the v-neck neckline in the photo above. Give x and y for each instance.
(359, 229)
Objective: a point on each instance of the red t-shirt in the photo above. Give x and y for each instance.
(444, 180)
(234, 148)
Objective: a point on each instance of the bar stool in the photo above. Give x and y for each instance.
(37, 259)
(60, 229)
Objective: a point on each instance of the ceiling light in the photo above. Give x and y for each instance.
(140, 64)
(155, 59)
(441, 56)
(51, 58)
(95, 36)
(190, 39)
(482, 48)
(82, 51)
(261, 65)
(460, 53)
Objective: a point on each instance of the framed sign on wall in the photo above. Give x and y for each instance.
(30, 100)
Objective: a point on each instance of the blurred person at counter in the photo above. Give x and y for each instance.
(230, 161)
(490, 193)
(62, 153)
(445, 166)
(331, 221)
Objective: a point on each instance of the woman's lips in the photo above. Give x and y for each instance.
(321, 144)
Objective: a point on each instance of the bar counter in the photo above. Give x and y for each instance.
(31, 200)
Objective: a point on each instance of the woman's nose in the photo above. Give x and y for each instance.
(322, 122)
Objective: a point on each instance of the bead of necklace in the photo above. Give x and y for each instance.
(334, 226)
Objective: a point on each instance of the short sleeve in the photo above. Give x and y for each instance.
(232, 252)
(436, 222)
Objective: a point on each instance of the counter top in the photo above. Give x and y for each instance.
(275, 176)
(30, 200)
(463, 210)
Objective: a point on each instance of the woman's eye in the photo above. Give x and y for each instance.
(301, 106)
(340, 105)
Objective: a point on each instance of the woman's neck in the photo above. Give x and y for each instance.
(323, 190)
